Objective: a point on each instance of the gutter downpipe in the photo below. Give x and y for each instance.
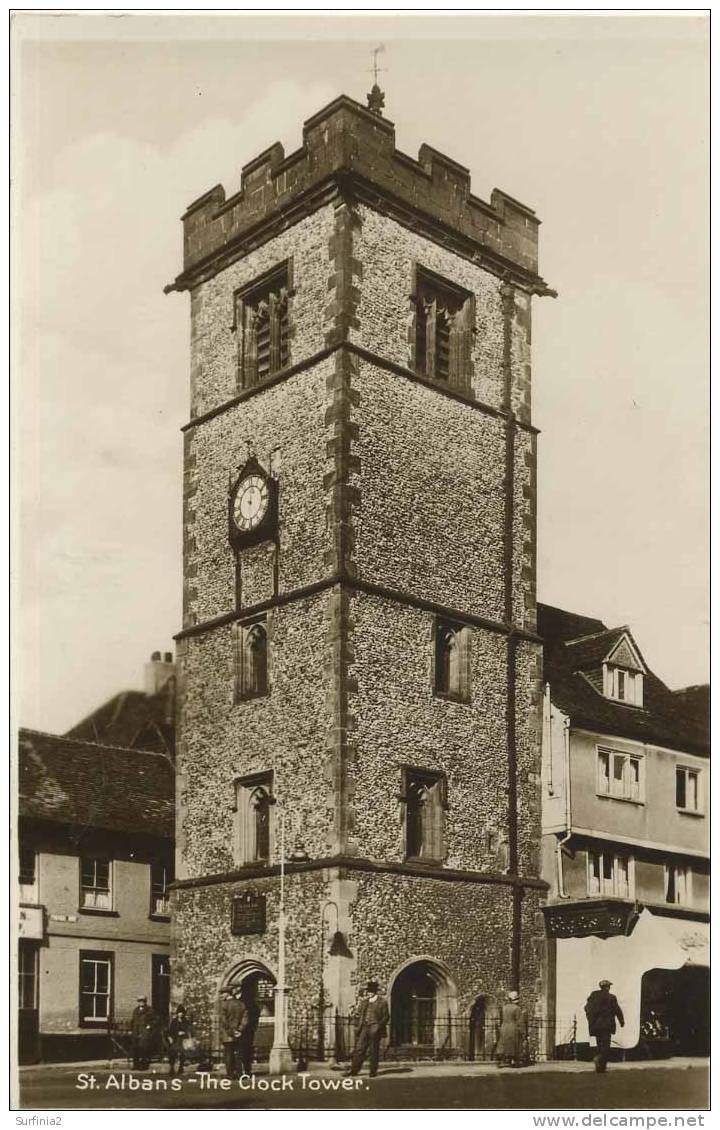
(568, 810)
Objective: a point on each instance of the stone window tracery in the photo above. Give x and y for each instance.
(443, 329)
(262, 315)
(251, 648)
(424, 800)
(254, 818)
(452, 661)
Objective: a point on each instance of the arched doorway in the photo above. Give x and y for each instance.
(258, 993)
(422, 1007)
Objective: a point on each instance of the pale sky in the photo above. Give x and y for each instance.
(598, 123)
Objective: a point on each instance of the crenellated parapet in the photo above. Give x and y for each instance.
(348, 148)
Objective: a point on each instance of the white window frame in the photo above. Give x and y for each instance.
(623, 685)
(606, 786)
(95, 960)
(95, 903)
(30, 892)
(682, 883)
(610, 887)
(696, 772)
(160, 904)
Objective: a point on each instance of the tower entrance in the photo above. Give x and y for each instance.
(257, 986)
(421, 1008)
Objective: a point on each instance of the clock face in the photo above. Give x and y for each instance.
(251, 503)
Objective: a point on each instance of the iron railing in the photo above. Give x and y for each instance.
(438, 1038)
(330, 1038)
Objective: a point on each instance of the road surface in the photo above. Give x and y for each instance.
(575, 1087)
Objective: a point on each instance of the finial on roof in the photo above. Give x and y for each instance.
(376, 100)
(376, 97)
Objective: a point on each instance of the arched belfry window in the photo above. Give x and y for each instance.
(442, 334)
(252, 660)
(452, 661)
(262, 320)
(254, 818)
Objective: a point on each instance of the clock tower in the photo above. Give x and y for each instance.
(360, 673)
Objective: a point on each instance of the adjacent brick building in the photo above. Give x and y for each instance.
(359, 659)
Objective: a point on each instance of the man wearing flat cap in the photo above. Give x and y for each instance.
(601, 1009)
(370, 1022)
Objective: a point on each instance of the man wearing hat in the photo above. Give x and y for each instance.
(233, 1021)
(143, 1029)
(370, 1022)
(601, 1009)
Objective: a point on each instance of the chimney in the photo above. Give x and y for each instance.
(159, 671)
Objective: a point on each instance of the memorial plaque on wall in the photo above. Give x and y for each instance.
(248, 913)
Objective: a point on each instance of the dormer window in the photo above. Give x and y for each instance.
(623, 685)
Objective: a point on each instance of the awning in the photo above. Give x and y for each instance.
(692, 937)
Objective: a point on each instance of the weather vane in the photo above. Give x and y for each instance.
(376, 98)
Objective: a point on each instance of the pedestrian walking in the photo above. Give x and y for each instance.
(511, 1048)
(233, 1021)
(144, 1026)
(370, 1022)
(179, 1036)
(602, 1009)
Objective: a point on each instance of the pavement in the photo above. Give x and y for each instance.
(420, 1068)
(680, 1084)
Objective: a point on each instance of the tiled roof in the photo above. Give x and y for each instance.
(68, 781)
(560, 625)
(589, 651)
(664, 719)
(133, 720)
(696, 702)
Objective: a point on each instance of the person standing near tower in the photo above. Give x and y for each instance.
(601, 1009)
(511, 1047)
(233, 1020)
(144, 1029)
(371, 1021)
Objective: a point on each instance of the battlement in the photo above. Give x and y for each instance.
(347, 143)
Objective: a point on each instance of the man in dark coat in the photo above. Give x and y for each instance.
(179, 1031)
(601, 1009)
(144, 1030)
(370, 1022)
(246, 1041)
(233, 1021)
